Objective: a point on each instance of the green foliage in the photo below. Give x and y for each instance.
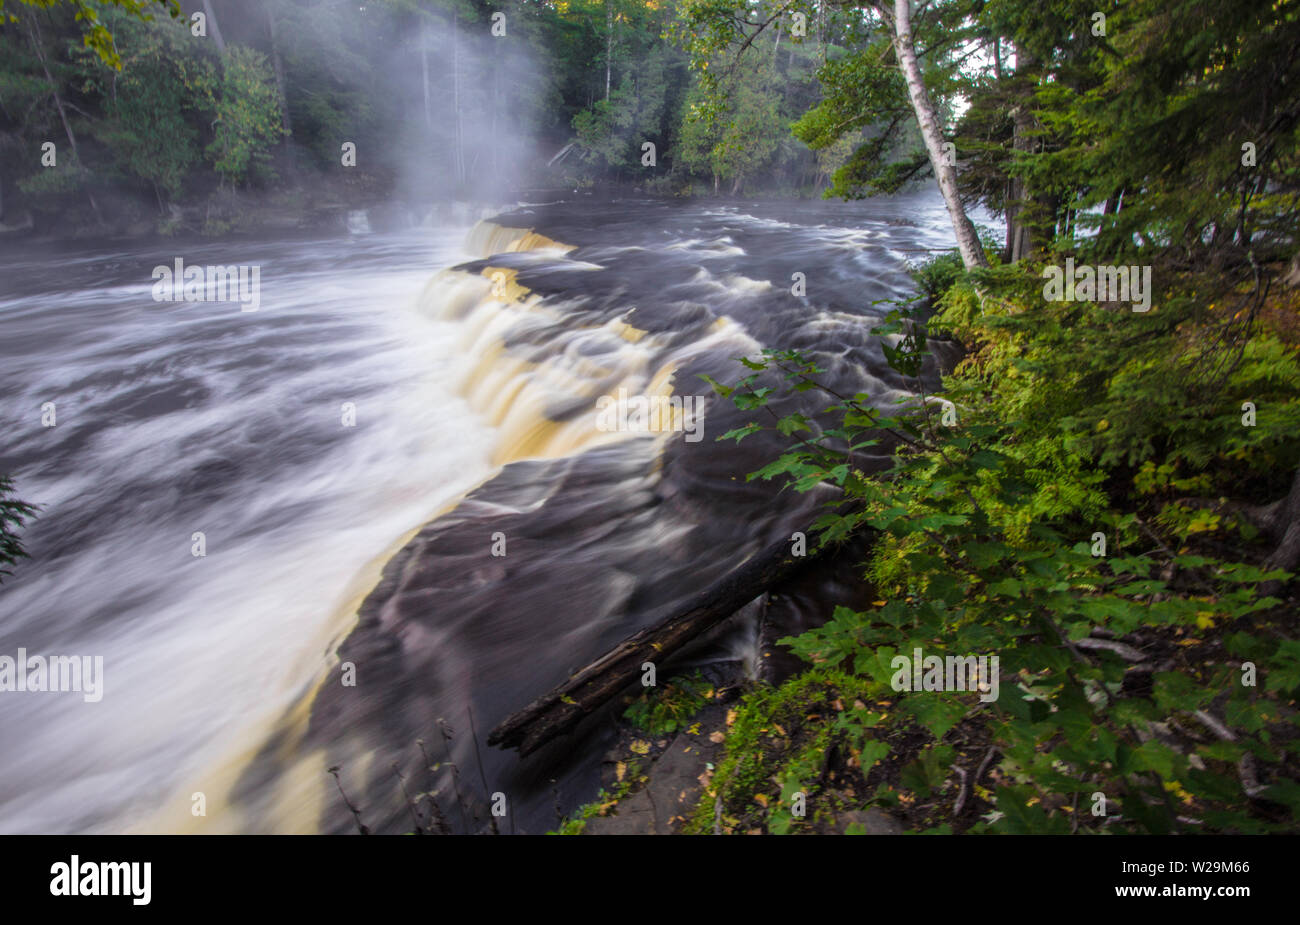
(646, 84)
(936, 276)
(865, 93)
(97, 36)
(985, 545)
(148, 103)
(14, 514)
(247, 107)
(1150, 120)
(605, 131)
(774, 752)
(605, 800)
(663, 710)
(70, 179)
(740, 143)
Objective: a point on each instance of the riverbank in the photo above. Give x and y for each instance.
(229, 215)
(306, 208)
(1099, 526)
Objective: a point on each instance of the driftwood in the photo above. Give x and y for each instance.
(564, 707)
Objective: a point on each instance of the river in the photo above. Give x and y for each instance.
(400, 407)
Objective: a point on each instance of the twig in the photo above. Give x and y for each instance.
(356, 813)
(1123, 650)
(962, 790)
(415, 816)
(455, 772)
(1246, 766)
(984, 765)
(1168, 552)
(968, 783)
(439, 820)
(481, 776)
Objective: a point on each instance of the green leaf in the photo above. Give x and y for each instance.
(934, 712)
(739, 433)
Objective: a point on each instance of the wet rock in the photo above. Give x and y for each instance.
(875, 821)
(677, 779)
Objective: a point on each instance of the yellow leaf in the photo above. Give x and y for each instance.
(760, 799)
(619, 770)
(640, 747)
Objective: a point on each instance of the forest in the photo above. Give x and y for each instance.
(437, 100)
(1102, 488)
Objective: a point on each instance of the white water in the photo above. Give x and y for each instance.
(176, 418)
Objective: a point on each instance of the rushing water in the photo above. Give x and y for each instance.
(221, 672)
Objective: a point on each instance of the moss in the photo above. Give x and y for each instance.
(604, 802)
(779, 741)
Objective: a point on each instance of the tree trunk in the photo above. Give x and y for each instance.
(560, 710)
(1019, 238)
(216, 30)
(496, 105)
(821, 29)
(1282, 523)
(1292, 278)
(455, 80)
(278, 66)
(1022, 209)
(968, 243)
(609, 44)
(34, 34)
(424, 71)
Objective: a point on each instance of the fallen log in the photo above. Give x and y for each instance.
(564, 707)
